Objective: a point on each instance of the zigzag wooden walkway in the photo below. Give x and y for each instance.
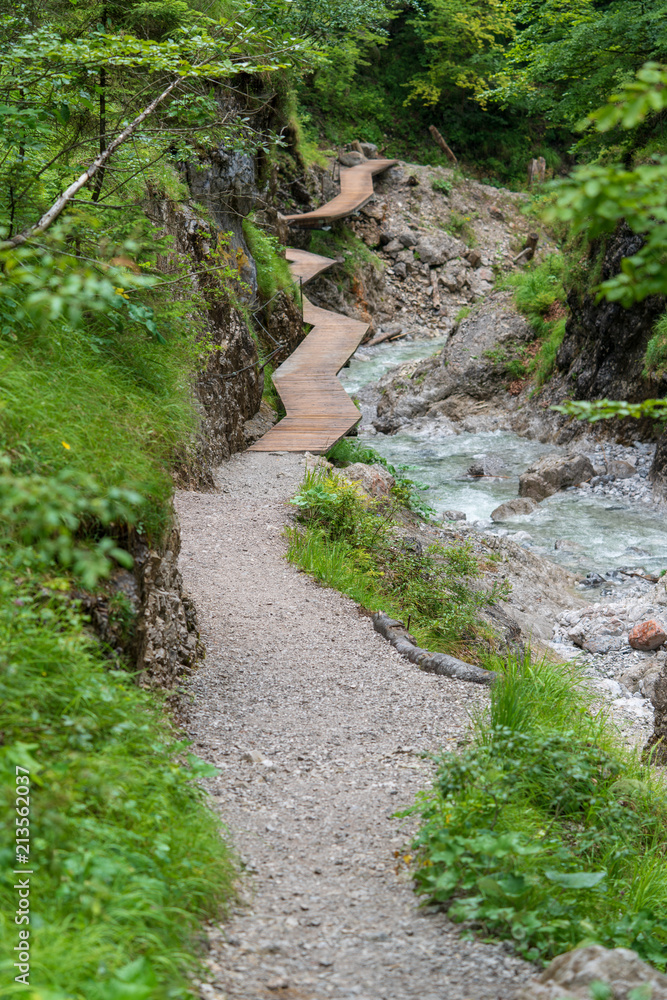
(319, 411)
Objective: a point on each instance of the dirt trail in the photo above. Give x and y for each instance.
(318, 726)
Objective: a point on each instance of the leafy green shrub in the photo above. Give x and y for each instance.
(45, 518)
(342, 242)
(127, 858)
(349, 541)
(407, 491)
(442, 185)
(655, 359)
(544, 831)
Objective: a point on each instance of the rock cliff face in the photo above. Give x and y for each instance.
(164, 643)
(602, 353)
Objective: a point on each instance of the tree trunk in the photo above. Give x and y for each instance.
(443, 145)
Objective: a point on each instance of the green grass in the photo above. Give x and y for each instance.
(655, 359)
(539, 294)
(459, 225)
(347, 541)
(273, 273)
(341, 242)
(127, 858)
(120, 406)
(546, 831)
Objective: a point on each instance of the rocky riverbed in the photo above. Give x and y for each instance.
(438, 401)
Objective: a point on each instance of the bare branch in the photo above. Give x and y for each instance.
(98, 163)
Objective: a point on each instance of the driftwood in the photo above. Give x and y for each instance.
(433, 663)
(528, 251)
(443, 145)
(536, 171)
(356, 146)
(386, 336)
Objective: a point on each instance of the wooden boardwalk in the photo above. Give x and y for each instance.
(319, 411)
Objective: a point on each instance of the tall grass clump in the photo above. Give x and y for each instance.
(118, 404)
(273, 273)
(352, 542)
(540, 295)
(546, 831)
(127, 859)
(655, 359)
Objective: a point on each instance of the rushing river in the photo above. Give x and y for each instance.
(593, 532)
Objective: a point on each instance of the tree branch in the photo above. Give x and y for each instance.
(98, 164)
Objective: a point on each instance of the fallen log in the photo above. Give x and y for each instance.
(443, 145)
(385, 336)
(434, 663)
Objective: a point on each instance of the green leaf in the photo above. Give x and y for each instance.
(575, 880)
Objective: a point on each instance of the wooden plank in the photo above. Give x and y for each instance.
(319, 411)
(356, 188)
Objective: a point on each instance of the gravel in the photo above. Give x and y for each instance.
(319, 728)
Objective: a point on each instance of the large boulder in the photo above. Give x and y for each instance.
(647, 636)
(513, 508)
(553, 473)
(351, 159)
(437, 248)
(569, 977)
(373, 479)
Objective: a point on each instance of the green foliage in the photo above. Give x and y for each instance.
(545, 831)
(80, 400)
(598, 197)
(539, 294)
(43, 515)
(567, 58)
(655, 359)
(442, 185)
(350, 541)
(464, 42)
(273, 273)
(342, 242)
(463, 313)
(127, 858)
(459, 225)
(347, 451)
(609, 409)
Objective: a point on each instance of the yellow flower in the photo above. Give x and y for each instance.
(65, 445)
(121, 292)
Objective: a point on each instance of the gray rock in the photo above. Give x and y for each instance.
(513, 508)
(454, 515)
(621, 469)
(394, 247)
(486, 465)
(400, 270)
(369, 149)
(373, 479)
(566, 545)
(408, 238)
(437, 248)
(569, 977)
(553, 473)
(351, 159)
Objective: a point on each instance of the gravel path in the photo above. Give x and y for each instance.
(318, 726)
